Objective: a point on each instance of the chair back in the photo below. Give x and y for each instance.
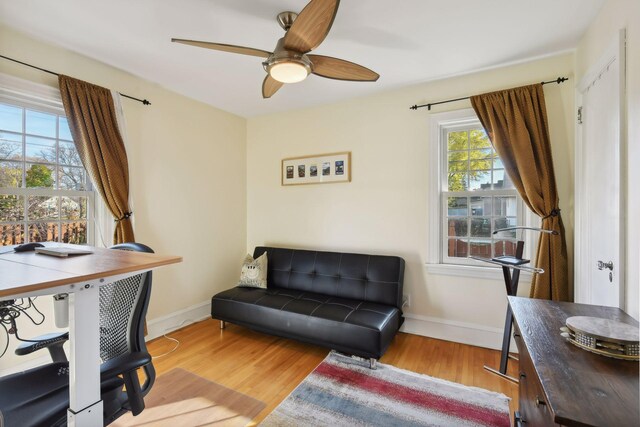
(123, 308)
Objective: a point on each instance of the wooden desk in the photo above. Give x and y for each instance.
(563, 384)
(29, 274)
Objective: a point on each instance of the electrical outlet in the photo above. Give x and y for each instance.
(406, 300)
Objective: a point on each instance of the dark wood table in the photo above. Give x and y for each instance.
(563, 384)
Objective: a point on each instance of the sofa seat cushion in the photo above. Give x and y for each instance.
(356, 327)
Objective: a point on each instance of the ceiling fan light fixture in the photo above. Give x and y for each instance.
(289, 62)
(289, 71)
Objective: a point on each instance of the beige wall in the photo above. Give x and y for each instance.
(188, 172)
(385, 208)
(615, 15)
(238, 199)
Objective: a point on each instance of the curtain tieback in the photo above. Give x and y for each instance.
(125, 216)
(554, 212)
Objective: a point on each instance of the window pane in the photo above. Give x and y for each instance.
(479, 139)
(10, 118)
(64, 132)
(507, 182)
(480, 248)
(501, 180)
(10, 174)
(457, 227)
(457, 141)
(480, 206)
(481, 159)
(68, 155)
(457, 206)
(455, 166)
(504, 247)
(42, 207)
(11, 234)
(73, 208)
(480, 180)
(480, 227)
(11, 208)
(10, 150)
(10, 136)
(40, 150)
(457, 181)
(498, 179)
(457, 248)
(40, 176)
(42, 124)
(481, 154)
(505, 206)
(500, 223)
(480, 164)
(44, 232)
(72, 178)
(497, 163)
(74, 232)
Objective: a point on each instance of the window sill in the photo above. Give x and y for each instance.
(492, 273)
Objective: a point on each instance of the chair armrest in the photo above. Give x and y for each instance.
(126, 366)
(43, 341)
(123, 364)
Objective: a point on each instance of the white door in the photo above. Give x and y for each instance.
(599, 171)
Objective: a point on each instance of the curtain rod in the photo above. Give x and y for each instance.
(144, 101)
(415, 107)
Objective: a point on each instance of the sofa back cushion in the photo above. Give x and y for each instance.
(371, 278)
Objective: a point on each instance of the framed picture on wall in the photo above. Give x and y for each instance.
(316, 169)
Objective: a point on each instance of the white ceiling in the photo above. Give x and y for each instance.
(405, 41)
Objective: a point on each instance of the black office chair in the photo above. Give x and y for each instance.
(40, 396)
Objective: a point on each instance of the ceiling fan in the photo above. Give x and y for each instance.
(291, 62)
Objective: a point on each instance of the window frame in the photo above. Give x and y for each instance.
(438, 261)
(40, 98)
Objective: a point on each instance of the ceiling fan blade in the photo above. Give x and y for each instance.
(339, 69)
(270, 86)
(225, 47)
(311, 26)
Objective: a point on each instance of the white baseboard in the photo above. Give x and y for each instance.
(178, 319)
(433, 327)
(451, 330)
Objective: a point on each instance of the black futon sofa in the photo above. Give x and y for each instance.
(351, 303)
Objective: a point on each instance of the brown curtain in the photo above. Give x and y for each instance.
(92, 119)
(516, 122)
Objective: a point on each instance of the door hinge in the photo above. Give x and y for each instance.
(579, 115)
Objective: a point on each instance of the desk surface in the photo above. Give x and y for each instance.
(28, 271)
(582, 388)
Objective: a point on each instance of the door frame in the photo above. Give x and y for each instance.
(582, 288)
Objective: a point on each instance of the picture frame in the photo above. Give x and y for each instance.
(328, 168)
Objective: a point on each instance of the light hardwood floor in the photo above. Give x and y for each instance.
(269, 368)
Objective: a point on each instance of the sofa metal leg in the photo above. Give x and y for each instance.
(222, 324)
(372, 363)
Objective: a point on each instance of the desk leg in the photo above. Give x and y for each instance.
(85, 405)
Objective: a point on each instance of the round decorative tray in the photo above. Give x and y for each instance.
(603, 336)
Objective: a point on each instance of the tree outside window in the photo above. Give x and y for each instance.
(44, 192)
(478, 195)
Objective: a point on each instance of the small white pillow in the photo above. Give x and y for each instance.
(254, 272)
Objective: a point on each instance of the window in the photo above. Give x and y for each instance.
(474, 194)
(45, 194)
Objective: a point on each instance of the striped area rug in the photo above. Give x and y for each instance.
(342, 391)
